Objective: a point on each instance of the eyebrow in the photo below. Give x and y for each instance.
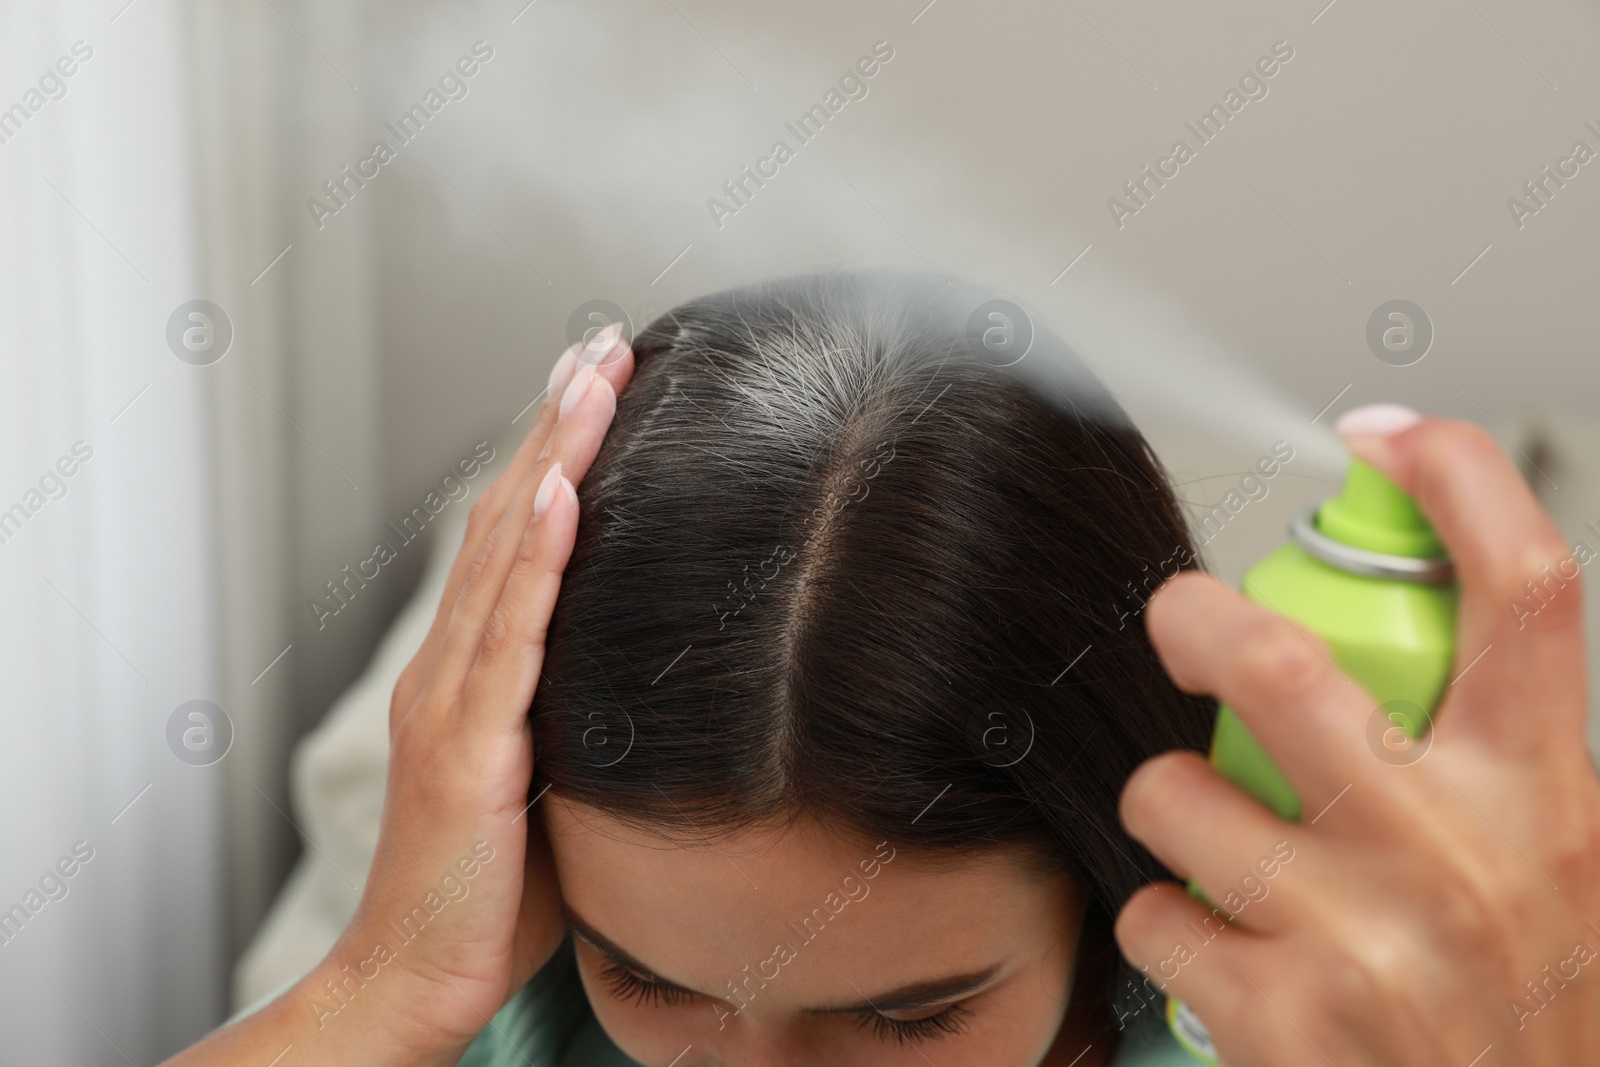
(916, 995)
(923, 994)
(617, 954)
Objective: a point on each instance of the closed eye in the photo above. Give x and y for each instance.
(627, 980)
(951, 1020)
(628, 984)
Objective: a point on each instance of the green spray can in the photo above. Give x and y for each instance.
(1365, 572)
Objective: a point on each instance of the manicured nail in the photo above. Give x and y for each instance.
(547, 490)
(1376, 420)
(576, 389)
(572, 494)
(561, 373)
(601, 345)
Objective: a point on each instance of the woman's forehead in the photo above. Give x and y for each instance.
(698, 912)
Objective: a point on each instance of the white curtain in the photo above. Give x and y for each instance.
(112, 923)
(297, 461)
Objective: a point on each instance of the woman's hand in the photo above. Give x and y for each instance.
(461, 748)
(461, 905)
(1444, 912)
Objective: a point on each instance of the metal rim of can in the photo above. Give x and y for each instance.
(1303, 531)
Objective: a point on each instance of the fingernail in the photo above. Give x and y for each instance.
(566, 487)
(547, 490)
(1376, 420)
(561, 373)
(602, 344)
(576, 389)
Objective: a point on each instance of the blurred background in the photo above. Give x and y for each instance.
(242, 345)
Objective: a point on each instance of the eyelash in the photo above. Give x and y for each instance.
(626, 984)
(904, 1031)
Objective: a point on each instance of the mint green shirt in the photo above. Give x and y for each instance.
(550, 1021)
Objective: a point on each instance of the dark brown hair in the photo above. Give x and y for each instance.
(834, 562)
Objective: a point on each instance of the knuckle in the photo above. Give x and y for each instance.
(1474, 900)
(1470, 906)
(399, 704)
(405, 687)
(484, 559)
(483, 514)
(529, 553)
(1367, 978)
(1540, 557)
(412, 740)
(497, 638)
(508, 632)
(1276, 659)
(1541, 579)
(1543, 576)
(513, 625)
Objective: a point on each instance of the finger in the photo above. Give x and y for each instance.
(514, 634)
(589, 404)
(492, 503)
(481, 519)
(501, 684)
(576, 439)
(1520, 621)
(1276, 677)
(608, 355)
(612, 359)
(1164, 932)
(1194, 820)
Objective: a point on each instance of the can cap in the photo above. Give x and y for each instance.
(1371, 512)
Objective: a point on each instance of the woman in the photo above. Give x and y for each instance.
(835, 718)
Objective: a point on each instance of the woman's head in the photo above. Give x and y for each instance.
(844, 589)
